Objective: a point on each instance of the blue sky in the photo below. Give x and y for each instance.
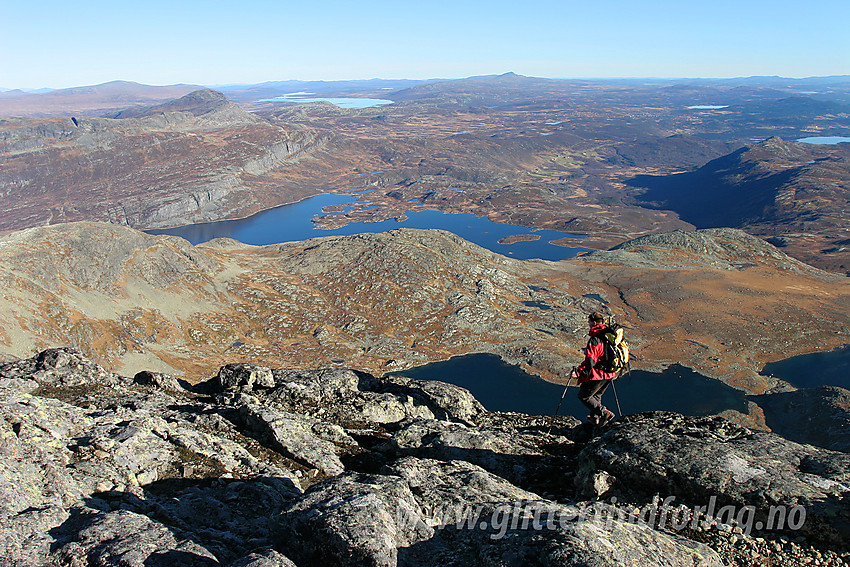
(63, 44)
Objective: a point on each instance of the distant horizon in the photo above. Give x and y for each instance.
(34, 90)
(56, 45)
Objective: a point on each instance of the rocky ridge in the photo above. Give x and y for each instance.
(194, 159)
(259, 466)
(719, 248)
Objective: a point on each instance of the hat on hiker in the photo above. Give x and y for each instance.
(596, 317)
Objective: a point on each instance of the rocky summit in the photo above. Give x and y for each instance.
(275, 467)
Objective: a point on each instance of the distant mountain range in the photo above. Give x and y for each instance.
(113, 96)
(96, 100)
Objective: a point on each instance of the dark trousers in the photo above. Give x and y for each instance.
(590, 394)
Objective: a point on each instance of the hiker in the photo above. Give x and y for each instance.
(592, 380)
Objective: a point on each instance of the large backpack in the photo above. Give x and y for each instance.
(616, 356)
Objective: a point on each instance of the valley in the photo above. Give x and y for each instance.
(541, 153)
(633, 166)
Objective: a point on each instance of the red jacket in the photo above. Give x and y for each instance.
(593, 354)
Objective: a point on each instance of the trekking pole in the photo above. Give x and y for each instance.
(570, 381)
(614, 388)
(616, 399)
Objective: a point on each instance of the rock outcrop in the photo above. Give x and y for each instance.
(261, 467)
(816, 416)
(695, 459)
(718, 248)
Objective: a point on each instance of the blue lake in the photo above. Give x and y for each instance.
(342, 102)
(707, 107)
(831, 368)
(294, 222)
(824, 140)
(503, 387)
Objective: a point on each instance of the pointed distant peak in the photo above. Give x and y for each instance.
(774, 143)
(197, 103)
(204, 95)
(509, 77)
(777, 147)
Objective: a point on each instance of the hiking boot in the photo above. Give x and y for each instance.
(593, 419)
(607, 415)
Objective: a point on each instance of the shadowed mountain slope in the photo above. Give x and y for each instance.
(792, 192)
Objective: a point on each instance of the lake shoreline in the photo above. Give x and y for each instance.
(329, 214)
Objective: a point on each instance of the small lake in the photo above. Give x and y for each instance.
(342, 102)
(824, 140)
(294, 222)
(503, 387)
(831, 368)
(707, 107)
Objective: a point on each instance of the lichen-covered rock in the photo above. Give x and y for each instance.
(426, 512)
(340, 395)
(591, 542)
(307, 440)
(64, 366)
(157, 380)
(351, 397)
(232, 516)
(515, 456)
(447, 401)
(695, 459)
(214, 453)
(26, 537)
(352, 519)
(91, 537)
(34, 437)
(264, 558)
(96, 469)
(439, 484)
(481, 519)
(243, 377)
